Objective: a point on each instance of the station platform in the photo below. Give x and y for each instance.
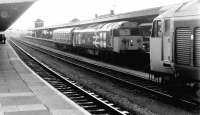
(22, 92)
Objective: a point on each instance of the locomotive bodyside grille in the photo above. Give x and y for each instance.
(183, 46)
(197, 48)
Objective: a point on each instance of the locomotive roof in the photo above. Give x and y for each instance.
(193, 5)
(183, 9)
(107, 26)
(189, 8)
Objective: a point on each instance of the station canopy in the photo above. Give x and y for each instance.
(10, 10)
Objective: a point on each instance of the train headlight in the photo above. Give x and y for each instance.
(131, 42)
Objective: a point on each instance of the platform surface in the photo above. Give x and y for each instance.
(22, 92)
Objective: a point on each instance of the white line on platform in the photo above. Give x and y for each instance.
(16, 94)
(17, 108)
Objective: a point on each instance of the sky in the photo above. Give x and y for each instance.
(54, 12)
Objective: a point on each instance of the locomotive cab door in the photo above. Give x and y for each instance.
(160, 48)
(167, 36)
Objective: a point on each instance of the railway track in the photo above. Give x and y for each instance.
(123, 78)
(90, 101)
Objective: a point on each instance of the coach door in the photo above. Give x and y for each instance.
(166, 55)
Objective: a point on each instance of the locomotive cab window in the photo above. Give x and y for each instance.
(115, 33)
(156, 30)
(167, 27)
(135, 32)
(153, 34)
(127, 32)
(124, 32)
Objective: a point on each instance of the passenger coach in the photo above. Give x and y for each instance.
(63, 37)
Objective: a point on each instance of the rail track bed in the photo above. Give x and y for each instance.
(86, 99)
(124, 79)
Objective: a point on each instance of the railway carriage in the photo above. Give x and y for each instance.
(63, 37)
(47, 34)
(91, 40)
(175, 43)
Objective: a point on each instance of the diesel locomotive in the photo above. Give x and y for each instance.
(175, 43)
